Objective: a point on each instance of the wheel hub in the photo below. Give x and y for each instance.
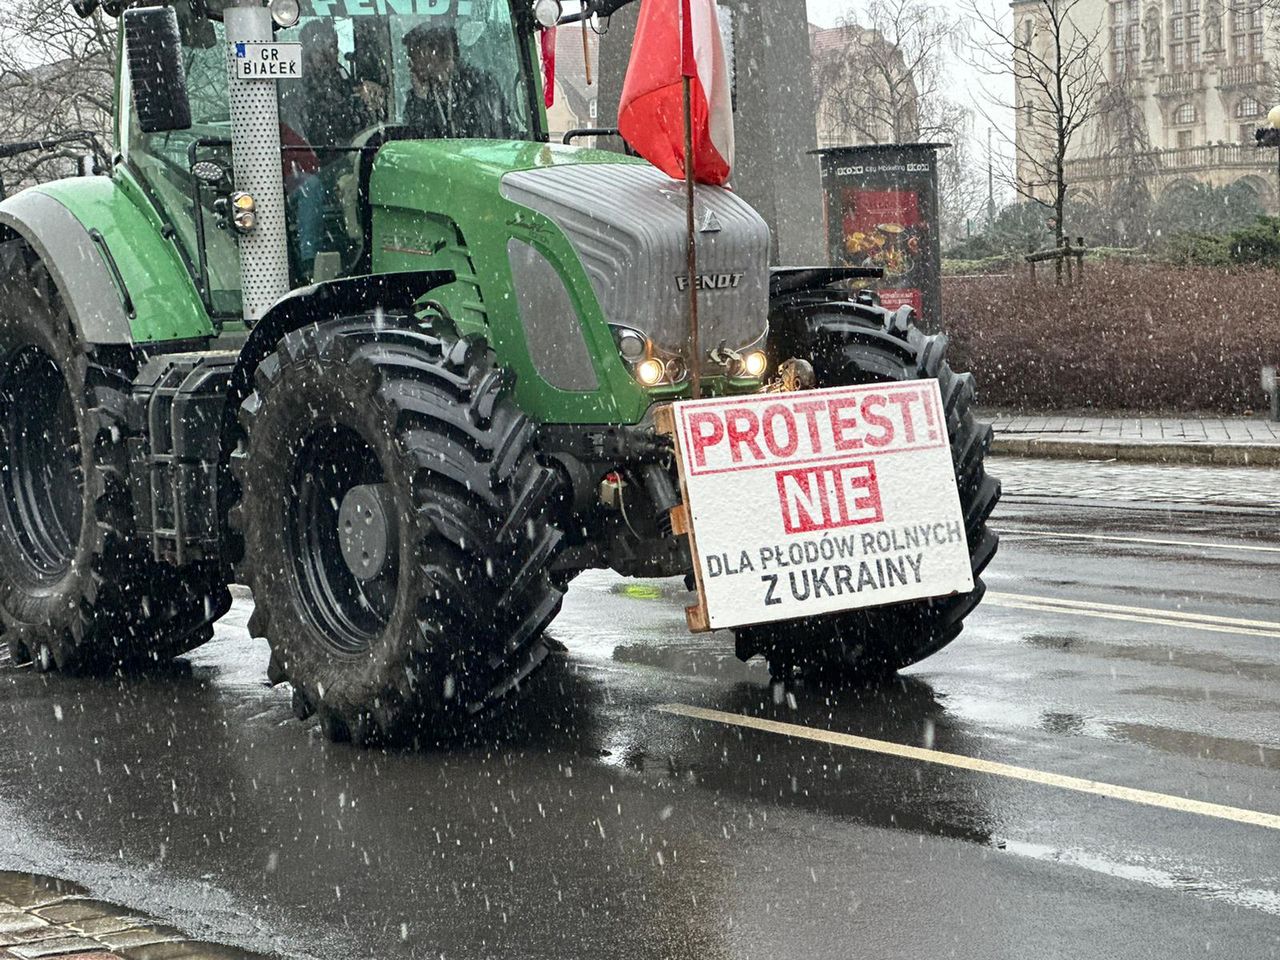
(366, 530)
(40, 492)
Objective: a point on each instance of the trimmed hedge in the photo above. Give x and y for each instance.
(1141, 338)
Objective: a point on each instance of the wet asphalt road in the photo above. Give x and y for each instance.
(593, 825)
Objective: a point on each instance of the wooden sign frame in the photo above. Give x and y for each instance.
(664, 421)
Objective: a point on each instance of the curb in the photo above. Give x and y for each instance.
(43, 918)
(1200, 454)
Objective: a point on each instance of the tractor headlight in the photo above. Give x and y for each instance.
(650, 372)
(244, 212)
(632, 344)
(649, 364)
(285, 13)
(547, 13)
(747, 363)
(754, 364)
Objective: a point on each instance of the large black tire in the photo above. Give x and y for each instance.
(452, 619)
(77, 591)
(849, 344)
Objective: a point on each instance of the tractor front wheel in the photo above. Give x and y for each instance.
(396, 528)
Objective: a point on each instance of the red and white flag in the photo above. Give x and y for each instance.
(549, 67)
(675, 39)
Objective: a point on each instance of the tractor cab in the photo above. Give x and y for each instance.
(364, 74)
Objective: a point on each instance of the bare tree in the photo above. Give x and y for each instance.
(1054, 56)
(962, 177)
(1122, 144)
(882, 79)
(56, 78)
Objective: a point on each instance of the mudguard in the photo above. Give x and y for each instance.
(122, 280)
(323, 301)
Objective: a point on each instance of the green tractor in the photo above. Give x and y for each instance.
(339, 323)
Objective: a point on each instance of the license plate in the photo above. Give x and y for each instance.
(268, 61)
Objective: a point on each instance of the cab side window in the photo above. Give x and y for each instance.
(163, 160)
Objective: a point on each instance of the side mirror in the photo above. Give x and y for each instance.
(84, 9)
(547, 13)
(153, 47)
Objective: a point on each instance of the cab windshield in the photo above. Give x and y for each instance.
(431, 68)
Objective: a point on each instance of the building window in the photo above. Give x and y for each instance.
(1247, 32)
(1184, 33)
(1248, 108)
(1184, 139)
(1126, 38)
(1185, 114)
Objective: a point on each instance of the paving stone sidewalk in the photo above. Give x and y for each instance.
(44, 917)
(1225, 441)
(1118, 482)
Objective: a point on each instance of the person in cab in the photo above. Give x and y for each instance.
(449, 98)
(339, 104)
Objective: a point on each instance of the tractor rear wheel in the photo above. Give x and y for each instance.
(77, 592)
(396, 528)
(847, 347)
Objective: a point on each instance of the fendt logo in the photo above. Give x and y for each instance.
(711, 281)
(829, 497)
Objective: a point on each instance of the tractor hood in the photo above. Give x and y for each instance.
(624, 221)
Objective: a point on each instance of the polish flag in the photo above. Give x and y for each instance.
(677, 39)
(549, 67)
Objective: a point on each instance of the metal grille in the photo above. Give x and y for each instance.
(627, 223)
(255, 151)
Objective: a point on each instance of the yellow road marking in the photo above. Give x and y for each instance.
(1144, 540)
(1148, 798)
(1112, 611)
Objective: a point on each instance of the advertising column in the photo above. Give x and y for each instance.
(881, 204)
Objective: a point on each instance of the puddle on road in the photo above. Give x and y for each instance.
(1252, 898)
(1158, 655)
(1183, 743)
(1228, 702)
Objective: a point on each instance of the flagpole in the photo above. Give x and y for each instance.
(688, 66)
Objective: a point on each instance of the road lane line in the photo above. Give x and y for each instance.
(1143, 540)
(1201, 621)
(1112, 791)
(1141, 611)
(1131, 618)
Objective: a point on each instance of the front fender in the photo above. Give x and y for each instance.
(395, 292)
(122, 281)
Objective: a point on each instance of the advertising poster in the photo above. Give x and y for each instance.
(881, 213)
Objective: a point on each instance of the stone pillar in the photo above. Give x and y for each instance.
(774, 117)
